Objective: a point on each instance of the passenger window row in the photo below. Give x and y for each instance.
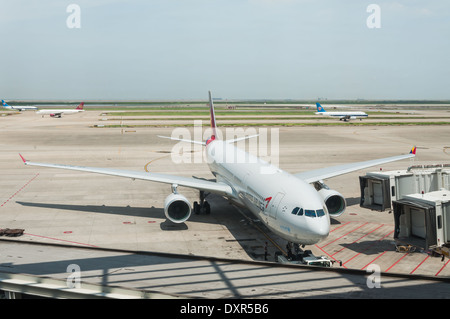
(308, 212)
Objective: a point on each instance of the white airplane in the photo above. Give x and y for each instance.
(18, 108)
(60, 112)
(297, 207)
(343, 116)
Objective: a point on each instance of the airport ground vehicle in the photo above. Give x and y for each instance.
(304, 258)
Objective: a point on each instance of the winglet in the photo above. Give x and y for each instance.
(413, 150)
(23, 159)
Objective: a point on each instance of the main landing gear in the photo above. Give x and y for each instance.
(203, 205)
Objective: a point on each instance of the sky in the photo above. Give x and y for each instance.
(238, 49)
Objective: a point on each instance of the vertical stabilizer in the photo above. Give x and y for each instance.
(213, 117)
(320, 108)
(5, 105)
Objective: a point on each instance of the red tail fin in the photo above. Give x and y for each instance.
(213, 117)
(80, 107)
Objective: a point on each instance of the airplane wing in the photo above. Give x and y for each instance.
(332, 171)
(200, 184)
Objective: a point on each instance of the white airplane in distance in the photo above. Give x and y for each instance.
(18, 107)
(343, 116)
(297, 207)
(60, 112)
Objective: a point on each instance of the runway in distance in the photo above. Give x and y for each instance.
(18, 107)
(343, 115)
(297, 207)
(59, 112)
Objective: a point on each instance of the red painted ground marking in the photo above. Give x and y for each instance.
(374, 260)
(442, 267)
(397, 262)
(344, 235)
(358, 239)
(68, 232)
(369, 247)
(12, 196)
(419, 265)
(387, 235)
(339, 227)
(127, 223)
(364, 249)
(151, 221)
(329, 255)
(352, 258)
(381, 253)
(67, 241)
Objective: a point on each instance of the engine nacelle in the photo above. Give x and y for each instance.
(177, 208)
(334, 201)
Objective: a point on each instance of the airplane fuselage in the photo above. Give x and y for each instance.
(21, 108)
(59, 111)
(271, 194)
(344, 115)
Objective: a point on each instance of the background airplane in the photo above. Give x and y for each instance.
(295, 207)
(18, 107)
(342, 115)
(60, 112)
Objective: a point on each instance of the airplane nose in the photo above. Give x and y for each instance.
(321, 229)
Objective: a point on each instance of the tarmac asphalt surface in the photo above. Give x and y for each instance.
(89, 210)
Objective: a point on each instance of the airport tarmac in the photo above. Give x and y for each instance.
(152, 275)
(57, 206)
(277, 117)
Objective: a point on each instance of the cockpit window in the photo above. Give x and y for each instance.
(310, 213)
(297, 211)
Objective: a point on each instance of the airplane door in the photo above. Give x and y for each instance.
(274, 203)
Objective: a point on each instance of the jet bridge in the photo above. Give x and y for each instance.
(423, 220)
(380, 189)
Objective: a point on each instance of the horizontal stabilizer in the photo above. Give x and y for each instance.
(182, 140)
(241, 138)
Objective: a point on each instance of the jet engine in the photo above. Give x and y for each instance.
(334, 201)
(177, 208)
